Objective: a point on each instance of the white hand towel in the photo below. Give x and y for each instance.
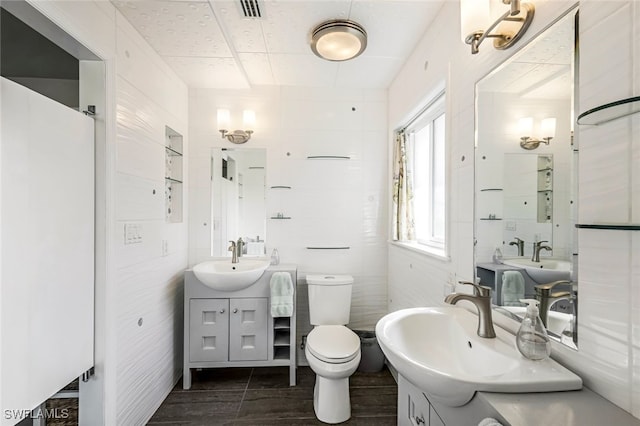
(489, 422)
(281, 294)
(512, 288)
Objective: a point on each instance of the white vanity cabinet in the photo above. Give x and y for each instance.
(416, 409)
(228, 329)
(235, 328)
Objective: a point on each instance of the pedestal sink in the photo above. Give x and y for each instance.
(438, 350)
(545, 271)
(226, 276)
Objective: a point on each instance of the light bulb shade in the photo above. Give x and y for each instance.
(248, 119)
(224, 119)
(474, 17)
(338, 40)
(525, 127)
(548, 127)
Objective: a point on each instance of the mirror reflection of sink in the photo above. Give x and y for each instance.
(557, 322)
(438, 350)
(545, 271)
(226, 276)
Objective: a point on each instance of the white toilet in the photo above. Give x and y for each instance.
(332, 350)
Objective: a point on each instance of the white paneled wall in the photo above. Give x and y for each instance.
(331, 203)
(138, 303)
(148, 282)
(608, 358)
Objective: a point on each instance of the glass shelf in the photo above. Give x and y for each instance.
(612, 226)
(611, 111)
(172, 152)
(168, 179)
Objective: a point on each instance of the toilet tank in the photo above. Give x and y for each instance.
(329, 299)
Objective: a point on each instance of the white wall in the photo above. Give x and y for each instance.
(136, 365)
(609, 270)
(331, 203)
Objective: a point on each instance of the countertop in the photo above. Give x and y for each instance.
(572, 408)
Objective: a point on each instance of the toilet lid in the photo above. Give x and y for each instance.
(333, 343)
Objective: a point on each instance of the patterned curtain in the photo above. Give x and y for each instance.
(403, 225)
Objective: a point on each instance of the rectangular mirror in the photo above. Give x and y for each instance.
(525, 180)
(238, 204)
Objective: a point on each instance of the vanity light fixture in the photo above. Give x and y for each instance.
(547, 128)
(236, 136)
(509, 28)
(338, 40)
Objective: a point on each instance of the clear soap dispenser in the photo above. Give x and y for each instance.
(532, 339)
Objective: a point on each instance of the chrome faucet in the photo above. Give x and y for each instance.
(536, 250)
(520, 244)
(481, 298)
(234, 252)
(547, 298)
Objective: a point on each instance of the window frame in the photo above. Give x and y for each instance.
(436, 109)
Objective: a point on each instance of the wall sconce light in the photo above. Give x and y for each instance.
(525, 127)
(236, 136)
(509, 28)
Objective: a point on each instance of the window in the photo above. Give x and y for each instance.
(426, 160)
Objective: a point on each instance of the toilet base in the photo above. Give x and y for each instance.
(331, 400)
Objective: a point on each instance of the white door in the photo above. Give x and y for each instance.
(46, 248)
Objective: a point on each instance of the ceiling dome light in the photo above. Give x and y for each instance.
(338, 40)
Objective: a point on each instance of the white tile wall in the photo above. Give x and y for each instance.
(608, 357)
(331, 203)
(136, 365)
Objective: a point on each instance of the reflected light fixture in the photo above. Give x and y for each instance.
(547, 128)
(338, 40)
(476, 26)
(236, 136)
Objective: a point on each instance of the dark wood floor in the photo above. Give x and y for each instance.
(262, 396)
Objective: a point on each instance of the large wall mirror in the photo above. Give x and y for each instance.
(238, 208)
(526, 190)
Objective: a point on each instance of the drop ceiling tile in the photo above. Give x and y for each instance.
(303, 70)
(214, 73)
(288, 24)
(245, 33)
(177, 28)
(258, 68)
(382, 19)
(350, 72)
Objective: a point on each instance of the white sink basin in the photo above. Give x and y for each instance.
(226, 276)
(545, 271)
(438, 350)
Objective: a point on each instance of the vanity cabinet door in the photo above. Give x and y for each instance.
(208, 330)
(413, 407)
(248, 329)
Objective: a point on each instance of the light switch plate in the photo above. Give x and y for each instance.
(132, 233)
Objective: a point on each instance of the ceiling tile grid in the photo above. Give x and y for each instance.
(211, 44)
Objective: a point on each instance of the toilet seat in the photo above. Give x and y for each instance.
(334, 344)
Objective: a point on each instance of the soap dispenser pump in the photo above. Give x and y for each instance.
(532, 339)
